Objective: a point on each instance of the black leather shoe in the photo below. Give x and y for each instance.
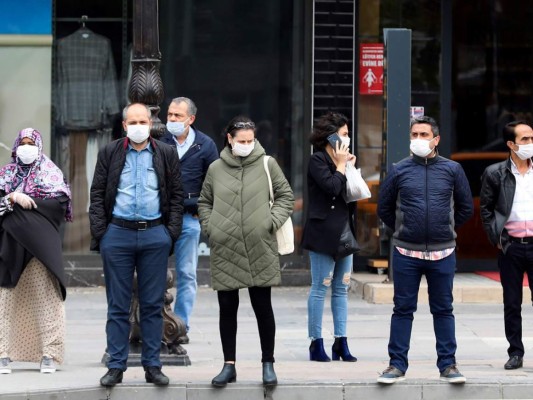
(112, 377)
(269, 375)
(514, 362)
(155, 376)
(227, 375)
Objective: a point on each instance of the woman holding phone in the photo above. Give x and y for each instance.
(327, 215)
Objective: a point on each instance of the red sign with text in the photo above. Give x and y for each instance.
(371, 68)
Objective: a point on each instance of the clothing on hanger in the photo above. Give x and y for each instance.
(87, 93)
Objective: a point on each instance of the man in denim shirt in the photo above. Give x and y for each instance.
(136, 216)
(196, 151)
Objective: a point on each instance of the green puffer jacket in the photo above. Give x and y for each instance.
(235, 214)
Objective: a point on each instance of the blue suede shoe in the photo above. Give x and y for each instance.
(317, 352)
(340, 350)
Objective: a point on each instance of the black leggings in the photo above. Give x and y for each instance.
(262, 305)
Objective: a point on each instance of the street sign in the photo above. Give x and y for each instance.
(371, 68)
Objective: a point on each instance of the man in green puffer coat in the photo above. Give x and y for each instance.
(235, 214)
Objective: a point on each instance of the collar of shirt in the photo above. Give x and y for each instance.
(514, 168)
(187, 143)
(148, 147)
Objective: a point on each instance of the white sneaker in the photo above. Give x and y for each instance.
(47, 365)
(4, 365)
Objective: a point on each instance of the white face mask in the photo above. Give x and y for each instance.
(138, 133)
(345, 140)
(27, 153)
(420, 147)
(177, 128)
(242, 150)
(524, 151)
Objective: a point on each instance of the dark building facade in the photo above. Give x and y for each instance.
(283, 63)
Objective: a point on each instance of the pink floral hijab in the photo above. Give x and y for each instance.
(41, 179)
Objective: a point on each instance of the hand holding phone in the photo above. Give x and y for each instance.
(334, 139)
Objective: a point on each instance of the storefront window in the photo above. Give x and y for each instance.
(90, 67)
(423, 18)
(493, 73)
(230, 57)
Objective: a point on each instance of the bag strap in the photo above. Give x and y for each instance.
(265, 164)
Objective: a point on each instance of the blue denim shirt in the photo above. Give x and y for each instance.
(138, 188)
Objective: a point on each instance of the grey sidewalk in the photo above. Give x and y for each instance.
(481, 354)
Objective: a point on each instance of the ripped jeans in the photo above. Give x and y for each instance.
(325, 273)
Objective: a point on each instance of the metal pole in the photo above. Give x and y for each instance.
(146, 87)
(397, 98)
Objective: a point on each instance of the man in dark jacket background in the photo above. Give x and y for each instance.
(505, 201)
(423, 199)
(196, 152)
(136, 216)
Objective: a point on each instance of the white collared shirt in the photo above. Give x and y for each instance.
(187, 143)
(520, 222)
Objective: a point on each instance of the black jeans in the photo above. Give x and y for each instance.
(513, 264)
(262, 305)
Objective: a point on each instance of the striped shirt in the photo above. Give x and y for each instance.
(520, 222)
(426, 255)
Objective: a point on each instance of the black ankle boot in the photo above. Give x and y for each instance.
(317, 352)
(227, 375)
(340, 350)
(269, 375)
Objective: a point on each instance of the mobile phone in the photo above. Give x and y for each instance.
(333, 139)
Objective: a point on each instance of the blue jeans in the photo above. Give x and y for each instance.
(407, 273)
(123, 252)
(186, 253)
(325, 273)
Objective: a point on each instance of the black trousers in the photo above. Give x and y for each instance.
(262, 305)
(513, 264)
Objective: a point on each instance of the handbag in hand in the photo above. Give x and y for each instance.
(347, 244)
(285, 234)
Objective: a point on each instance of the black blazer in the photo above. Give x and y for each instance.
(327, 211)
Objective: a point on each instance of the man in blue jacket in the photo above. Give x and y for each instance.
(423, 199)
(196, 152)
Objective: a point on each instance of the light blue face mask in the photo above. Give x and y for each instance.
(177, 128)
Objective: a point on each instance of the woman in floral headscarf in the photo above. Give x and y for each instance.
(34, 202)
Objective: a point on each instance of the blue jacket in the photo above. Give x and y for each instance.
(423, 201)
(194, 165)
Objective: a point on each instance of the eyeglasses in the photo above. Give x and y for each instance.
(244, 125)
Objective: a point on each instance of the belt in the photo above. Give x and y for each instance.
(192, 195)
(137, 225)
(523, 240)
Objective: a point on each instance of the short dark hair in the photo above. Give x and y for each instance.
(509, 133)
(237, 123)
(326, 125)
(426, 120)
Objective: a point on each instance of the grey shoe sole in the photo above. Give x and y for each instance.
(458, 379)
(389, 381)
